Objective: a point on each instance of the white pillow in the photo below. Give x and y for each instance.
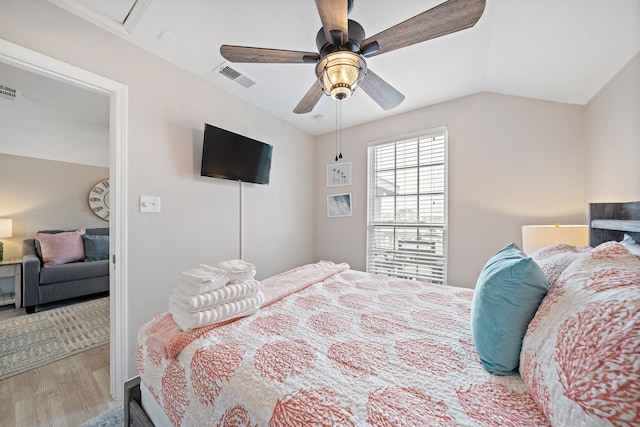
(631, 245)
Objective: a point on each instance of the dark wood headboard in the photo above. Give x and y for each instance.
(609, 221)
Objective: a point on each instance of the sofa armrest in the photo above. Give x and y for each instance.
(30, 273)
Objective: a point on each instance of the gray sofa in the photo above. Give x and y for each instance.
(46, 284)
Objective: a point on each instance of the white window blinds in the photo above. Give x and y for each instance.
(407, 218)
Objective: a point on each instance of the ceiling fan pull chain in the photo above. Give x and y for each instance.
(340, 128)
(337, 131)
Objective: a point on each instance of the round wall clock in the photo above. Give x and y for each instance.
(99, 199)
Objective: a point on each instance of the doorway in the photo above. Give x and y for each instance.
(32, 61)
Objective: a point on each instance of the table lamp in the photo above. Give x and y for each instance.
(6, 230)
(539, 236)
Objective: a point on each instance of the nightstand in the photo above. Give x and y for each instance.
(12, 267)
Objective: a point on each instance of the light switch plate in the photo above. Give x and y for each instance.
(149, 204)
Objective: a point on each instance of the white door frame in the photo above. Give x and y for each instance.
(35, 62)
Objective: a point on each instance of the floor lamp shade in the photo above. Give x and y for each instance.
(6, 230)
(539, 236)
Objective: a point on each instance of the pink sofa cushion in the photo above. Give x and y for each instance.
(61, 248)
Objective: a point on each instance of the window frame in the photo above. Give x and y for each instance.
(370, 225)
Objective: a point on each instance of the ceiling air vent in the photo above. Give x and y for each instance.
(9, 93)
(236, 76)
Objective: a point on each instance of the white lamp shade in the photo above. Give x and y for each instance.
(6, 228)
(540, 236)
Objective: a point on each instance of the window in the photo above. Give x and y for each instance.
(407, 218)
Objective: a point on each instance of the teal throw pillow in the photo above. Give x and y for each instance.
(509, 290)
(95, 247)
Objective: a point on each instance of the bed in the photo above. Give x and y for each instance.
(333, 346)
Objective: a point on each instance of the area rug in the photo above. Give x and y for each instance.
(112, 418)
(34, 340)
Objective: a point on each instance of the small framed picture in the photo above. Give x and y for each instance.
(339, 205)
(339, 174)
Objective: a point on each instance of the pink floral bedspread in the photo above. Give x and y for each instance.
(354, 349)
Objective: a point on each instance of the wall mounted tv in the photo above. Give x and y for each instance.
(227, 155)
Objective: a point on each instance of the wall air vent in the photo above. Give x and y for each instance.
(236, 76)
(9, 93)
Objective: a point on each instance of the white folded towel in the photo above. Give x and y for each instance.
(201, 279)
(228, 293)
(240, 308)
(238, 270)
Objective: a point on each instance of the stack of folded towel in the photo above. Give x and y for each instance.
(206, 295)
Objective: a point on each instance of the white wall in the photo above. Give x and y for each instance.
(512, 161)
(613, 138)
(48, 121)
(167, 111)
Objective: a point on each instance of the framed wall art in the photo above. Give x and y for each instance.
(339, 174)
(339, 205)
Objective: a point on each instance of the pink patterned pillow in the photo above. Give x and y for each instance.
(61, 248)
(554, 259)
(580, 357)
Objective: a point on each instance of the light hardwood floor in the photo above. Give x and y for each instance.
(64, 393)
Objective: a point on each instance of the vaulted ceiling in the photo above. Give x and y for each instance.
(563, 51)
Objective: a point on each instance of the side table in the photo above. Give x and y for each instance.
(12, 267)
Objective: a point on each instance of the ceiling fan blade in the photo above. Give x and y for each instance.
(333, 14)
(446, 18)
(380, 91)
(258, 54)
(309, 101)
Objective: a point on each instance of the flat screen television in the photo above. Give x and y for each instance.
(227, 155)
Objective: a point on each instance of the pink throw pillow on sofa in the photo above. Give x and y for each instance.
(61, 248)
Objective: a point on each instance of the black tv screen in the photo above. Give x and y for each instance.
(227, 155)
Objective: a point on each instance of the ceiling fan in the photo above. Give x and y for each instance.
(341, 64)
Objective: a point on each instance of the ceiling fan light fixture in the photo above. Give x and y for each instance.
(340, 73)
(342, 49)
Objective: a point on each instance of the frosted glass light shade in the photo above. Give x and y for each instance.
(539, 236)
(6, 228)
(340, 73)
